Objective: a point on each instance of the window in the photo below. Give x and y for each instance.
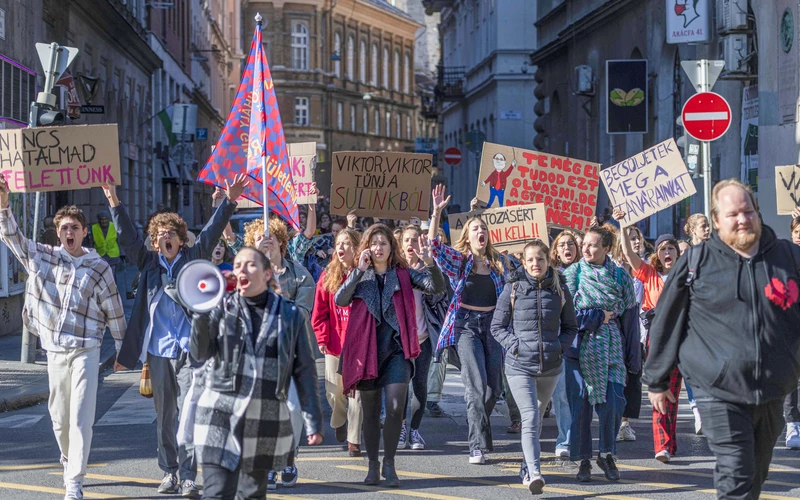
(407, 75)
(339, 116)
(388, 124)
(337, 48)
(386, 67)
(364, 120)
(397, 128)
(396, 69)
(352, 118)
(408, 127)
(374, 79)
(301, 111)
(299, 46)
(18, 89)
(377, 118)
(351, 58)
(362, 61)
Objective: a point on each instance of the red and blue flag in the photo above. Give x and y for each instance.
(254, 134)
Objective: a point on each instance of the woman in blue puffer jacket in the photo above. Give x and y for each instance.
(535, 323)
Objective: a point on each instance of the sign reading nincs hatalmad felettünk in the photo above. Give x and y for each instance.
(514, 176)
(381, 184)
(59, 158)
(651, 181)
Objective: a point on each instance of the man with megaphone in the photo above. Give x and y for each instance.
(159, 329)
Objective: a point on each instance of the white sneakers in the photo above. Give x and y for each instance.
(476, 457)
(74, 491)
(562, 453)
(535, 483)
(626, 432)
(793, 435)
(663, 456)
(698, 422)
(417, 443)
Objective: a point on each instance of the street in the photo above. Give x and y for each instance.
(123, 463)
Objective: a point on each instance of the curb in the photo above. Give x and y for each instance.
(41, 392)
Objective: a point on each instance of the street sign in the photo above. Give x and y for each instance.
(706, 116)
(694, 70)
(55, 60)
(201, 134)
(452, 156)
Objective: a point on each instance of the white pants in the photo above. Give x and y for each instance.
(73, 377)
(344, 409)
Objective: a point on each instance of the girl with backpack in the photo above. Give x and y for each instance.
(535, 323)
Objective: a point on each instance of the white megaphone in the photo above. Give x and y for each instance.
(200, 286)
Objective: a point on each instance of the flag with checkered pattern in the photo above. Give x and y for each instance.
(253, 135)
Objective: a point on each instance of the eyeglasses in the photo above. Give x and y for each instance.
(167, 234)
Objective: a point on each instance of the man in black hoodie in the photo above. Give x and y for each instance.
(730, 324)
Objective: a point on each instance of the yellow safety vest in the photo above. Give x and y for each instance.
(105, 244)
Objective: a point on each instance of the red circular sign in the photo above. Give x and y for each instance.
(706, 116)
(452, 156)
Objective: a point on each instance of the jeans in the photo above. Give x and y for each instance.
(496, 193)
(561, 409)
(419, 384)
(481, 358)
(609, 414)
(532, 395)
(791, 406)
(436, 374)
(221, 484)
(171, 379)
(343, 409)
(689, 395)
(513, 409)
(73, 378)
(742, 438)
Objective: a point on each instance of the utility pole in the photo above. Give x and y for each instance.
(55, 59)
(181, 172)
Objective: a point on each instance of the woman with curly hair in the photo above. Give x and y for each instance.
(381, 339)
(564, 251)
(330, 324)
(697, 229)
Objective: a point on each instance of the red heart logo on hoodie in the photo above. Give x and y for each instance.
(783, 295)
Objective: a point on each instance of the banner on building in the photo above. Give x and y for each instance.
(649, 182)
(787, 188)
(749, 136)
(382, 185)
(688, 21)
(60, 158)
(514, 176)
(510, 228)
(303, 158)
(626, 96)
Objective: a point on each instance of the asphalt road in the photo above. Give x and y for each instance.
(123, 459)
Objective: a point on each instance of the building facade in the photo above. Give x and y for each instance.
(485, 84)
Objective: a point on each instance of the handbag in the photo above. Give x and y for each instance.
(145, 386)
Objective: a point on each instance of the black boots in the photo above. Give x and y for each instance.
(374, 474)
(392, 481)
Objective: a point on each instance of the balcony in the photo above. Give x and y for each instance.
(450, 83)
(433, 6)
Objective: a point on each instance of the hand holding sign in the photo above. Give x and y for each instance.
(3, 192)
(110, 191)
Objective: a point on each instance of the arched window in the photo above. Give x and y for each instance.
(385, 67)
(337, 49)
(374, 62)
(407, 75)
(299, 46)
(362, 61)
(351, 58)
(396, 69)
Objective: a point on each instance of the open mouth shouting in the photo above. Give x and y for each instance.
(168, 247)
(668, 261)
(71, 244)
(482, 240)
(243, 282)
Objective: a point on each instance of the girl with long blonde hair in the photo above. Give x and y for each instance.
(478, 274)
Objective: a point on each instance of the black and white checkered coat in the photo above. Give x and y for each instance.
(242, 413)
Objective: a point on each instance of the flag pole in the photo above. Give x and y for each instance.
(264, 185)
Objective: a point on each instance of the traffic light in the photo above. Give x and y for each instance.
(44, 115)
(690, 147)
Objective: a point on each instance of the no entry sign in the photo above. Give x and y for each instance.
(706, 116)
(452, 156)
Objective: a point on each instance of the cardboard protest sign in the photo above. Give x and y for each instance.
(513, 176)
(649, 182)
(510, 228)
(380, 184)
(787, 188)
(59, 158)
(303, 159)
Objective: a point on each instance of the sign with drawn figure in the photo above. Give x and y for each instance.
(688, 21)
(567, 187)
(787, 188)
(60, 158)
(649, 182)
(381, 184)
(510, 228)
(303, 160)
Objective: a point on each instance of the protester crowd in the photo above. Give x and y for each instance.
(575, 326)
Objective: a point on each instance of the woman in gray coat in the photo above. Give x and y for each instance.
(535, 323)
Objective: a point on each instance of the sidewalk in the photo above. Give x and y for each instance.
(23, 384)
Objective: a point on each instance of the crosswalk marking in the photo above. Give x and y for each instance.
(57, 491)
(6, 468)
(20, 421)
(130, 409)
(375, 489)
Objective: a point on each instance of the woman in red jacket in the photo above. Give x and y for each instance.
(330, 322)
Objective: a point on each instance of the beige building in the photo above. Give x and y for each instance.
(344, 72)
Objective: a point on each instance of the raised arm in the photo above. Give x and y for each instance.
(23, 249)
(127, 235)
(311, 216)
(625, 241)
(431, 281)
(210, 235)
(439, 203)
